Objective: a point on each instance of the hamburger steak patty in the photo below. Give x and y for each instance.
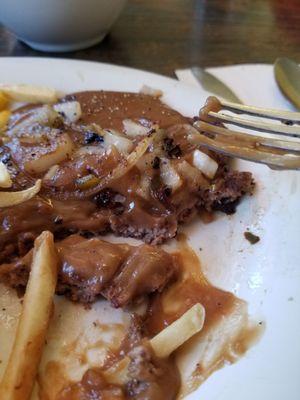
(144, 203)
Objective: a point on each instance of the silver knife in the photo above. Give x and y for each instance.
(212, 84)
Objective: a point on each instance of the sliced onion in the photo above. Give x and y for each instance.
(87, 182)
(205, 163)
(151, 91)
(168, 174)
(70, 110)
(133, 129)
(59, 150)
(121, 169)
(191, 174)
(144, 187)
(29, 93)
(8, 199)
(131, 160)
(5, 180)
(89, 150)
(112, 138)
(50, 174)
(44, 116)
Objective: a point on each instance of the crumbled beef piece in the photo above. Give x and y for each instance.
(225, 205)
(25, 242)
(226, 191)
(163, 194)
(156, 162)
(253, 239)
(134, 335)
(173, 150)
(93, 386)
(151, 378)
(58, 123)
(58, 220)
(160, 191)
(111, 199)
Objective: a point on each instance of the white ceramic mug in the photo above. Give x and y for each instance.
(60, 25)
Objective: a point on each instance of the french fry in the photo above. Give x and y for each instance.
(19, 376)
(29, 93)
(172, 337)
(4, 101)
(4, 117)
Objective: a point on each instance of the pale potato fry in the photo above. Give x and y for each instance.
(179, 331)
(8, 199)
(29, 93)
(5, 179)
(4, 117)
(19, 376)
(4, 101)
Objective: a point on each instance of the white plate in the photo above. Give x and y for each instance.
(267, 274)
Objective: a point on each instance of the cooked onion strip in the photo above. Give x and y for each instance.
(133, 129)
(44, 116)
(8, 199)
(60, 148)
(19, 376)
(5, 180)
(113, 138)
(168, 174)
(121, 169)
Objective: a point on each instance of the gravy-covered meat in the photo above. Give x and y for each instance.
(92, 267)
(97, 176)
(149, 378)
(92, 386)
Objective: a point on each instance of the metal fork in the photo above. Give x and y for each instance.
(270, 150)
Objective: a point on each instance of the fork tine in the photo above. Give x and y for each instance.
(258, 125)
(286, 161)
(262, 112)
(277, 144)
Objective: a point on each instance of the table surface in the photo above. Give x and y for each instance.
(162, 35)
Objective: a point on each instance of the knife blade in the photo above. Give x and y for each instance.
(212, 84)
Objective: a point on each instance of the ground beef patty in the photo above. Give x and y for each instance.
(144, 203)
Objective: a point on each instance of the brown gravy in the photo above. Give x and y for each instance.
(163, 309)
(191, 288)
(109, 109)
